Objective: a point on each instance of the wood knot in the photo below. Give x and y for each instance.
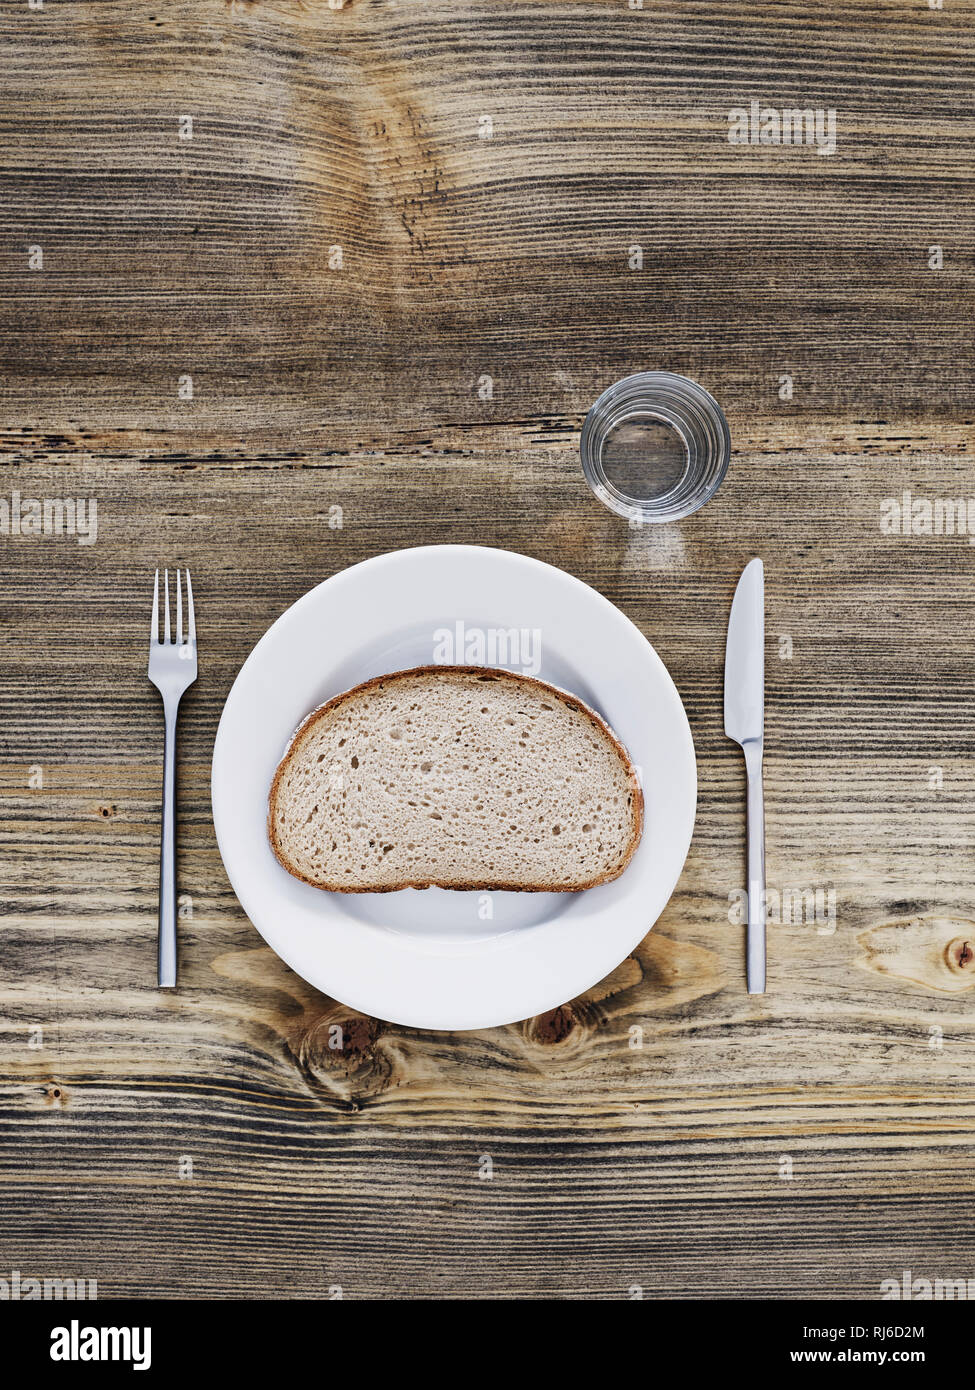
(960, 954)
(345, 1056)
(554, 1027)
(564, 1032)
(357, 1035)
(937, 952)
(55, 1094)
(106, 812)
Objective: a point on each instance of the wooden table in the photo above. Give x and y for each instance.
(392, 263)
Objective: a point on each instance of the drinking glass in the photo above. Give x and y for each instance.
(655, 447)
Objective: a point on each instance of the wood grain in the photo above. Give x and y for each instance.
(643, 1134)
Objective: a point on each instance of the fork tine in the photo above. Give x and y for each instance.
(154, 630)
(179, 611)
(167, 606)
(189, 607)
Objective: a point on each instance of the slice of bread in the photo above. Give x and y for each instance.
(456, 777)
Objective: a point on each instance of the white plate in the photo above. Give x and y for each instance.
(434, 958)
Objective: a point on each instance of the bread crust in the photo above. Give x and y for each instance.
(478, 885)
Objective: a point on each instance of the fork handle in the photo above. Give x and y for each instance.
(167, 857)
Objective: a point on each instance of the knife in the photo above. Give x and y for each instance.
(744, 721)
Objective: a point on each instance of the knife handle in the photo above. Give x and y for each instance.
(756, 868)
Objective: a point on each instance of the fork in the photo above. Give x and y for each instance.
(172, 669)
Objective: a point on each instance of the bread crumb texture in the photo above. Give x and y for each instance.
(459, 777)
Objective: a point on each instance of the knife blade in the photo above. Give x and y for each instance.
(744, 722)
